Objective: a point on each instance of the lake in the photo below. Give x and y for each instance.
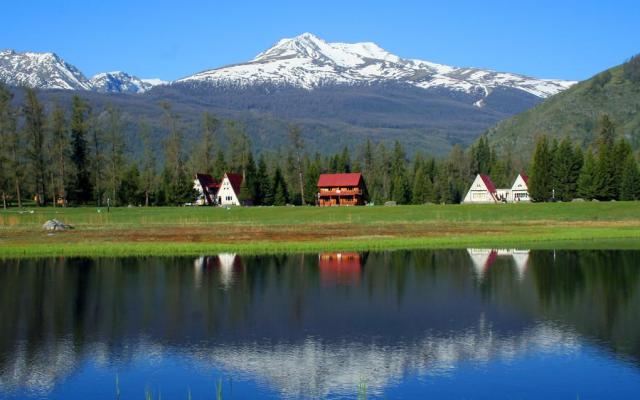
(459, 324)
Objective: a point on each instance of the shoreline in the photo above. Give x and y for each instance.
(277, 230)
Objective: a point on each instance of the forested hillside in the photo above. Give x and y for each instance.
(575, 112)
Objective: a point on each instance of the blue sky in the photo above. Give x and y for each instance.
(172, 39)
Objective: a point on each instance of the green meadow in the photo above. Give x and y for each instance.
(200, 230)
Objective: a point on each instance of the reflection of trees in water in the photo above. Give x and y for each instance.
(398, 296)
(596, 291)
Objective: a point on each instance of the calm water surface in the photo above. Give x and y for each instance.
(460, 324)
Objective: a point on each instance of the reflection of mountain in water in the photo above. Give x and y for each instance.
(274, 319)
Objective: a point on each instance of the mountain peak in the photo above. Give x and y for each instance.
(307, 61)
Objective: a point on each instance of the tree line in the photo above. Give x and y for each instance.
(79, 156)
(607, 170)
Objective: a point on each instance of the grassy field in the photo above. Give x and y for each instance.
(195, 230)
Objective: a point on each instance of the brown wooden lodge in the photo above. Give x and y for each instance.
(341, 190)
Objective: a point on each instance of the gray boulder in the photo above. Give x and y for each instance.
(55, 225)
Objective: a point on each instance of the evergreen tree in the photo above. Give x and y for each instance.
(129, 190)
(630, 180)
(422, 187)
(344, 161)
(587, 182)
(220, 166)
(148, 175)
(81, 188)
(114, 154)
(34, 120)
(279, 187)
(205, 155)
(60, 146)
(177, 185)
(567, 164)
(540, 181)
(10, 145)
(481, 157)
(263, 187)
(297, 145)
(312, 173)
(607, 184)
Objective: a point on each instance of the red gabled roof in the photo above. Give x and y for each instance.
(488, 183)
(235, 180)
(524, 178)
(207, 181)
(333, 180)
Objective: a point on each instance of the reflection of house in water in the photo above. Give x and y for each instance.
(340, 268)
(228, 264)
(483, 259)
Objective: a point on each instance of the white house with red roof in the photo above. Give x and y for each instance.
(229, 191)
(483, 191)
(520, 188)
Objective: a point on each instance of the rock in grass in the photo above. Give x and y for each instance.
(55, 225)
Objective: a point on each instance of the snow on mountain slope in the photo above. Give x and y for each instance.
(49, 71)
(40, 70)
(121, 82)
(307, 61)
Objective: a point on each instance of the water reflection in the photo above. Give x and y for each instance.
(314, 325)
(340, 268)
(483, 259)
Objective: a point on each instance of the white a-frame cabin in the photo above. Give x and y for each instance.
(484, 191)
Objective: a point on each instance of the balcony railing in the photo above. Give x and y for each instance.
(340, 192)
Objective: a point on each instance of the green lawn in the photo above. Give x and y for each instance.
(196, 230)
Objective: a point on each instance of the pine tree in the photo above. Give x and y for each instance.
(34, 120)
(297, 145)
(630, 180)
(10, 160)
(567, 164)
(60, 146)
(81, 188)
(422, 187)
(220, 166)
(279, 188)
(606, 173)
(587, 182)
(129, 187)
(481, 157)
(114, 154)
(541, 177)
(148, 175)
(263, 195)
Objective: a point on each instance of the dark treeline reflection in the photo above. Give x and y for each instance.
(394, 299)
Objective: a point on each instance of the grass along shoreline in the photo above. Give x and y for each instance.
(268, 230)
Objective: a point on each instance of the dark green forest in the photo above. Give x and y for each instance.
(73, 155)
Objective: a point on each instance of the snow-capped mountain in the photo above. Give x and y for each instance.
(49, 71)
(307, 61)
(40, 70)
(121, 82)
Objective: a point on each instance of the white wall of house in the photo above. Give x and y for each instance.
(226, 195)
(200, 200)
(520, 190)
(479, 193)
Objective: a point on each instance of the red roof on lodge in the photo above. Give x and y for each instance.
(525, 178)
(333, 180)
(235, 180)
(488, 183)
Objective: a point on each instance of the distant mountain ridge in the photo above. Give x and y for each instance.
(339, 93)
(49, 71)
